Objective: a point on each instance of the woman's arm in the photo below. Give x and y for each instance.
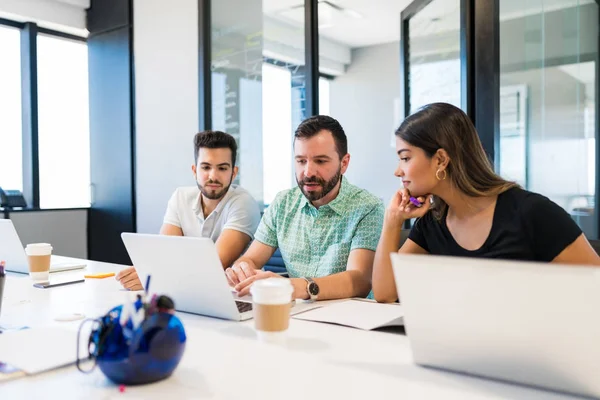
(579, 252)
(399, 210)
(384, 284)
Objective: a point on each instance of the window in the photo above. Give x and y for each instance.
(434, 66)
(548, 55)
(11, 157)
(277, 122)
(63, 115)
(324, 96)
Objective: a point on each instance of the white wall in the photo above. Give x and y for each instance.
(362, 100)
(62, 15)
(166, 103)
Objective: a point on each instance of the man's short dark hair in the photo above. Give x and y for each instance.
(215, 140)
(313, 125)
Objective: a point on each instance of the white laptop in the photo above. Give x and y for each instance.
(532, 323)
(12, 251)
(189, 270)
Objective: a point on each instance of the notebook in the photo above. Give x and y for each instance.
(357, 313)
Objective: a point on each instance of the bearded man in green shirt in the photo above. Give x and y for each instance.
(326, 229)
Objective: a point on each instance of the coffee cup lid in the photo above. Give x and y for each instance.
(40, 249)
(272, 290)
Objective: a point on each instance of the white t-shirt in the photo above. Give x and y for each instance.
(237, 210)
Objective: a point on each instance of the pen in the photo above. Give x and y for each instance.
(416, 202)
(147, 283)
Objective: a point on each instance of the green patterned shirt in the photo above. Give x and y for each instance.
(317, 242)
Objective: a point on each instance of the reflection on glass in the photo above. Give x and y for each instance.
(513, 123)
(11, 159)
(359, 52)
(237, 42)
(548, 51)
(434, 54)
(258, 88)
(284, 92)
(63, 114)
(278, 111)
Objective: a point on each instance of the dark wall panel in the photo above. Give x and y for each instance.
(29, 106)
(111, 135)
(105, 15)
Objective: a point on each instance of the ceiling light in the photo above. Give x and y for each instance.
(326, 11)
(349, 12)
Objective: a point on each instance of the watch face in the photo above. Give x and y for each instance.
(313, 289)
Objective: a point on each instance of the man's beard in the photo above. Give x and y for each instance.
(213, 194)
(326, 186)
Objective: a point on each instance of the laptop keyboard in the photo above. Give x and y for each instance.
(243, 306)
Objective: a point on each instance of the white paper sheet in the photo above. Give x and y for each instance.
(356, 313)
(38, 349)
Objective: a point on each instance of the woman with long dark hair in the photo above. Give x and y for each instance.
(463, 207)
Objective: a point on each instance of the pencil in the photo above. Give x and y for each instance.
(99, 276)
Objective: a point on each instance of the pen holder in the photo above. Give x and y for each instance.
(146, 354)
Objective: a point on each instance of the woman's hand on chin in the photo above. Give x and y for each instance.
(401, 207)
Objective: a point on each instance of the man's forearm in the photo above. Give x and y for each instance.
(257, 255)
(337, 286)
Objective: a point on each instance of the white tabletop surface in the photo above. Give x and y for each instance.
(224, 360)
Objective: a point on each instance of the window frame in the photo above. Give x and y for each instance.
(19, 26)
(29, 103)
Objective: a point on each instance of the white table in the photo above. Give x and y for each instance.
(223, 359)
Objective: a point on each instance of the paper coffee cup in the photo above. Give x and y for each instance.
(38, 256)
(272, 301)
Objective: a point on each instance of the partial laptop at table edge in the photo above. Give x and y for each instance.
(13, 253)
(189, 270)
(532, 323)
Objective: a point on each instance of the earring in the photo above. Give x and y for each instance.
(437, 174)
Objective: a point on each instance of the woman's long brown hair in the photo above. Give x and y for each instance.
(444, 126)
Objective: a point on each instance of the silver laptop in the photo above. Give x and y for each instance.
(189, 270)
(531, 323)
(12, 251)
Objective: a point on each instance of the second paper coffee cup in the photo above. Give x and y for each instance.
(272, 301)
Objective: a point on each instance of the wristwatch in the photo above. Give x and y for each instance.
(312, 288)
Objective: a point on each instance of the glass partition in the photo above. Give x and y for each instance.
(548, 55)
(434, 67)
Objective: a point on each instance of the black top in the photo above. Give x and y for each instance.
(526, 226)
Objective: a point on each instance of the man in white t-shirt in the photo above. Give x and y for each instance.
(226, 213)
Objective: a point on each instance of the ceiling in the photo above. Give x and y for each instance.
(438, 17)
(379, 20)
(510, 9)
